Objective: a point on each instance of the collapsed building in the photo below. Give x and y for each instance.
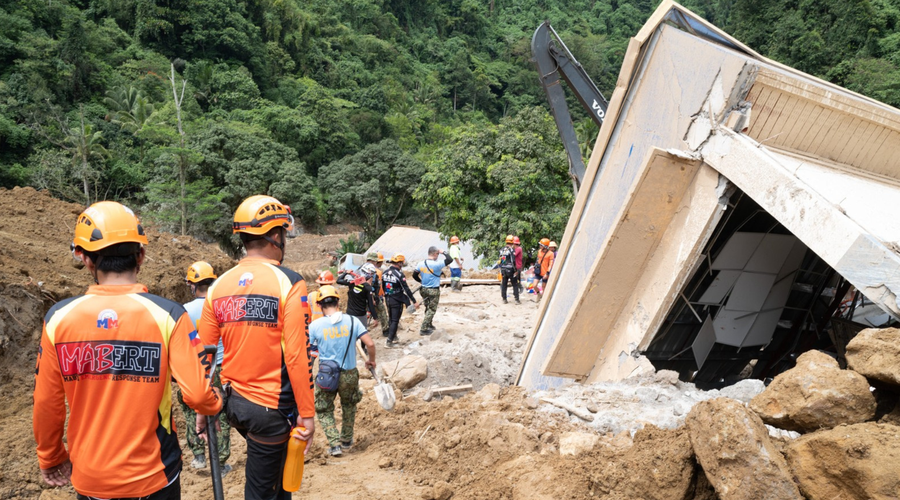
(735, 213)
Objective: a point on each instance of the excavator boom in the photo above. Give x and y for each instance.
(553, 59)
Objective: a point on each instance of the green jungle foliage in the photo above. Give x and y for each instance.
(424, 112)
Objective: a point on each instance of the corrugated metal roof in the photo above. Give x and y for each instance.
(414, 242)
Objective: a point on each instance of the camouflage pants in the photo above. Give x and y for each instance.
(431, 297)
(348, 390)
(197, 445)
(382, 317)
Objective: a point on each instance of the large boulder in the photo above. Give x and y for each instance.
(815, 394)
(849, 462)
(733, 447)
(875, 353)
(406, 372)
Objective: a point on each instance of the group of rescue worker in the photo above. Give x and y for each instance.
(510, 264)
(112, 353)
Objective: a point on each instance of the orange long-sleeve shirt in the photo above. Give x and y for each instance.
(112, 354)
(260, 311)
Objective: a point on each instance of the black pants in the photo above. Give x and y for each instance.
(262, 428)
(395, 310)
(170, 492)
(514, 281)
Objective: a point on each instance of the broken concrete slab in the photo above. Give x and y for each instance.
(875, 353)
(815, 394)
(733, 447)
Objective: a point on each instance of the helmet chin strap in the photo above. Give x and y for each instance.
(277, 244)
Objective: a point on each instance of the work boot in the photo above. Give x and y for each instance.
(225, 469)
(505, 301)
(199, 462)
(346, 446)
(517, 302)
(335, 451)
(388, 344)
(427, 331)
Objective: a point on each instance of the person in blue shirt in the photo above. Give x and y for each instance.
(334, 336)
(199, 277)
(429, 272)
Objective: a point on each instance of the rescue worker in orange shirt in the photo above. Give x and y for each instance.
(260, 310)
(326, 277)
(543, 265)
(112, 354)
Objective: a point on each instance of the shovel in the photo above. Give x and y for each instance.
(214, 466)
(384, 393)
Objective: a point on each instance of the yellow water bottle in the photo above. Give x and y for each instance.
(293, 465)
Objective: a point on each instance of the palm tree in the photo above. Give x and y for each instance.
(131, 110)
(84, 144)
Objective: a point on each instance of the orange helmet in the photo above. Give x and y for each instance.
(553, 244)
(327, 291)
(509, 238)
(259, 214)
(516, 240)
(380, 257)
(107, 223)
(325, 278)
(398, 258)
(200, 271)
(545, 242)
(454, 239)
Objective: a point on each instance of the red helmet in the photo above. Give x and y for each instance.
(545, 242)
(325, 278)
(516, 240)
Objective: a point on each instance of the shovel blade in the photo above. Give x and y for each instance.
(385, 396)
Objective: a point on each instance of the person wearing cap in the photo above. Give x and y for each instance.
(397, 296)
(324, 278)
(508, 270)
(199, 277)
(430, 272)
(334, 336)
(259, 309)
(456, 265)
(518, 246)
(110, 355)
(543, 265)
(379, 295)
(361, 293)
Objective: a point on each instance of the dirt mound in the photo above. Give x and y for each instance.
(35, 234)
(501, 449)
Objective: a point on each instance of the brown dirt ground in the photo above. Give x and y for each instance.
(481, 447)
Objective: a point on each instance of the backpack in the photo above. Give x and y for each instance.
(507, 261)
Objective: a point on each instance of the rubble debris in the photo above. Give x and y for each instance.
(875, 353)
(490, 392)
(855, 461)
(576, 443)
(578, 412)
(733, 447)
(405, 372)
(438, 391)
(815, 394)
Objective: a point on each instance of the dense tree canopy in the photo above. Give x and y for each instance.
(346, 108)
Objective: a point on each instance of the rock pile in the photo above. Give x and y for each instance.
(842, 453)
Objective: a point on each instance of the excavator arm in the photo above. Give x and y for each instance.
(552, 58)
